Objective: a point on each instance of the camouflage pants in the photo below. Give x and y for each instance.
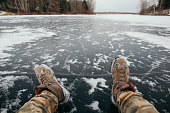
(130, 102)
(45, 102)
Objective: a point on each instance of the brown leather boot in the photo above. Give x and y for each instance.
(120, 74)
(47, 80)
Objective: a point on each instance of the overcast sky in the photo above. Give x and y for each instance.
(118, 5)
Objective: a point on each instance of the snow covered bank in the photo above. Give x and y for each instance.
(161, 21)
(2, 13)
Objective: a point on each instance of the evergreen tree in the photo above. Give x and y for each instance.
(166, 4)
(63, 6)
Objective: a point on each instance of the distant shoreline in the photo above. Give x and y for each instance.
(3, 13)
(115, 13)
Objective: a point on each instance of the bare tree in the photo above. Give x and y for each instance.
(144, 6)
(73, 5)
(91, 5)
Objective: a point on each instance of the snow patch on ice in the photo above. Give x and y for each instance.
(94, 82)
(149, 56)
(4, 110)
(112, 34)
(7, 72)
(88, 61)
(94, 106)
(155, 64)
(122, 51)
(73, 61)
(18, 100)
(95, 43)
(101, 58)
(144, 48)
(150, 83)
(61, 50)
(8, 82)
(87, 37)
(47, 58)
(151, 38)
(136, 79)
(26, 66)
(61, 81)
(117, 39)
(66, 66)
(169, 90)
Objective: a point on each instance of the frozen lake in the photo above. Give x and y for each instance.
(80, 50)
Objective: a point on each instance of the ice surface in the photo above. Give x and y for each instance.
(85, 46)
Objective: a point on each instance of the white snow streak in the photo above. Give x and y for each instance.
(151, 38)
(19, 35)
(161, 21)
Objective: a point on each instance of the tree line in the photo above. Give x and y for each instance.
(48, 6)
(162, 5)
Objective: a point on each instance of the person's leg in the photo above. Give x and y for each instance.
(46, 102)
(131, 102)
(123, 92)
(48, 94)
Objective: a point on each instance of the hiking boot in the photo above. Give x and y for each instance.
(120, 75)
(47, 80)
